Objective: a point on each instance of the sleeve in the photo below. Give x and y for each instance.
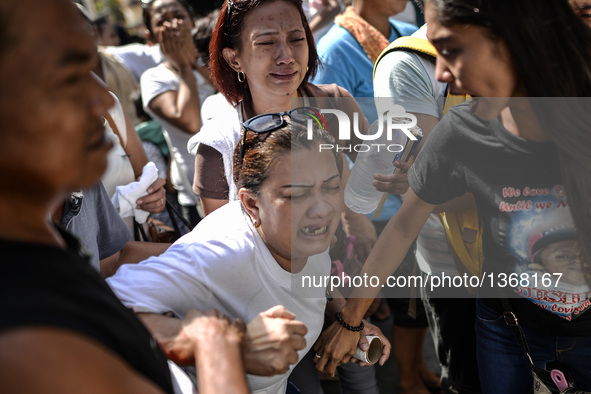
(336, 97)
(337, 65)
(153, 83)
(437, 176)
(171, 282)
(210, 180)
(113, 232)
(401, 79)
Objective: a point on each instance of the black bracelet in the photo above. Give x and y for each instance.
(348, 327)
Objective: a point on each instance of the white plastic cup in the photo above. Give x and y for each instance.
(373, 354)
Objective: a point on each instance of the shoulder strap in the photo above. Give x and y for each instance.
(410, 44)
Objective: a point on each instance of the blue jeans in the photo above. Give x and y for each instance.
(502, 363)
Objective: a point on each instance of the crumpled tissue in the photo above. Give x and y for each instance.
(125, 196)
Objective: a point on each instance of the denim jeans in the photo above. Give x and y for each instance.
(502, 362)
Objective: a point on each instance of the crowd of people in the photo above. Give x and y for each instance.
(234, 112)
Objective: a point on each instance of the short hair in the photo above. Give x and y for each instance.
(147, 12)
(204, 28)
(227, 35)
(260, 155)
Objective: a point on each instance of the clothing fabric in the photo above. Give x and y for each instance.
(209, 173)
(154, 144)
(151, 131)
(522, 212)
(345, 63)
(454, 338)
(119, 169)
(120, 81)
(228, 268)
(154, 82)
(222, 131)
(45, 286)
(371, 40)
(407, 79)
(92, 218)
(137, 58)
(503, 364)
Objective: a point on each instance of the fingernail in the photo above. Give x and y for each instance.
(150, 190)
(139, 202)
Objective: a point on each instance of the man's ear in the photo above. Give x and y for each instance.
(250, 203)
(232, 58)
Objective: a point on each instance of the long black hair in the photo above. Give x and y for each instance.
(550, 47)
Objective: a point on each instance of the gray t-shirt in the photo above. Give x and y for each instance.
(91, 217)
(528, 227)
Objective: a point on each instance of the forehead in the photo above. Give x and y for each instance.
(164, 6)
(303, 167)
(581, 4)
(435, 30)
(274, 14)
(48, 35)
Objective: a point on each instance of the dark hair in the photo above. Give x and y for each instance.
(260, 155)
(204, 28)
(550, 47)
(227, 35)
(548, 42)
(8, 37)
(147, 12)
(100, 23)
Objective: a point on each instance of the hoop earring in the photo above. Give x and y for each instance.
(241, 76)
(256, 224)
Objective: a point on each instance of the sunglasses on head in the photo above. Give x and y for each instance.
(263, 125)
(229, 14)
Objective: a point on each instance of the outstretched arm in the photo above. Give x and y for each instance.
(271, 341)
(337, 344)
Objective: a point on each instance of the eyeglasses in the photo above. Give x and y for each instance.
(263, 125)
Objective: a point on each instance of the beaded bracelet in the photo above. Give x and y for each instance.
(347, 326)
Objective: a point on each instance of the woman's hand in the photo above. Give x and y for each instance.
(155, 201)
(335, 346)
(396, 183)
(177, 44)
(370, 329)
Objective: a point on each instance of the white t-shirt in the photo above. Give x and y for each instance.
(154, 82)
(137, 58)
(224, 264)
(119, 169)
(221, 130)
